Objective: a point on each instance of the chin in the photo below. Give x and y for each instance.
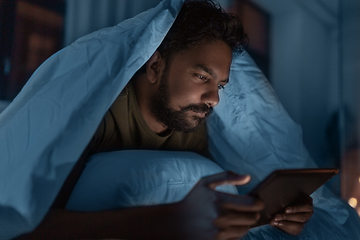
(194, 125)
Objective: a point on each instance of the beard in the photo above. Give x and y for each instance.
(175, 120)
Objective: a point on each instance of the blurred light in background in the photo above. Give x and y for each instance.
(353, 202)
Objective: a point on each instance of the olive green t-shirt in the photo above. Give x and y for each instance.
(124, 127)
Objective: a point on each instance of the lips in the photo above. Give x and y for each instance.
(201, 111)
(202, 114)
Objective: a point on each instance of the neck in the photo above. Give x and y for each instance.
(144, 90)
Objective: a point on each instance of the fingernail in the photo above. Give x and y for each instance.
(288, 210)
(278, 217)
(281, 224)
(275, 223)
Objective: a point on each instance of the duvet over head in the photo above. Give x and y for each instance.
(45, 129)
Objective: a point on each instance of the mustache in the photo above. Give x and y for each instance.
(198, 108)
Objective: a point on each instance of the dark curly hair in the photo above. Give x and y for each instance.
(201, 21)
(198, 22)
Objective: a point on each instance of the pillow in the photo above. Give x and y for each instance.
(139, 177)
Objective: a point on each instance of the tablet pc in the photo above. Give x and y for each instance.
(283, 187)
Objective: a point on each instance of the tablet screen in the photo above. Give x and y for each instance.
(283, 187)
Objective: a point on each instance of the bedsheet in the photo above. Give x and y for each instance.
(44, 130)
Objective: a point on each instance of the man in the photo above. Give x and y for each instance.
(164, 107)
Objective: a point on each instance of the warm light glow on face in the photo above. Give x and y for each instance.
(353, 202)
(359, 179)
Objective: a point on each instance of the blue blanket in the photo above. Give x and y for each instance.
(45, 129)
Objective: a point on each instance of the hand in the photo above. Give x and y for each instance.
(209, 214)
(203, 214)
(294, 218)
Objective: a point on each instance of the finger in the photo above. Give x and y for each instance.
(239, 203)
(294, 217)
(232, 233)
(305, 206)
(293, 228)
(225, 178)
(233, 218)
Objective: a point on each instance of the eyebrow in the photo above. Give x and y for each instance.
(226, 81)
(204, 68)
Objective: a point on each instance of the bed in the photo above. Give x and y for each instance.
(44, 130)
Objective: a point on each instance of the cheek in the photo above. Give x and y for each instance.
(183, 90)
(179, 89)
(183, 97)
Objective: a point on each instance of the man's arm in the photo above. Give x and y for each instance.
(203, 214)
(132, 223)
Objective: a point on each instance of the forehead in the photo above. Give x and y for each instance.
(212, 57)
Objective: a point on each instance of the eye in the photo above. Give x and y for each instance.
(221, 86)
(201, 77)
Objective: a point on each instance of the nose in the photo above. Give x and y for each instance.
(211, 96)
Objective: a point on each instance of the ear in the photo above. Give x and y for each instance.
(154, 67)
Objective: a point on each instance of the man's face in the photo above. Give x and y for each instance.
(189, 86)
